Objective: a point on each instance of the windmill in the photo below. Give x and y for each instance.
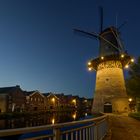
(110, 92)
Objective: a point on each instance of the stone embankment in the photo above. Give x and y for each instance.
(122, 127)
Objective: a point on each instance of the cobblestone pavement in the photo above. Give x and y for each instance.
(123, 128)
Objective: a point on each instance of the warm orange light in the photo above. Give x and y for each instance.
(53, 121)
(74, 116)
(89, 69)
(102, 57)
(89, 63)
(132, 60)
(122, 55)
(126, 66)
(53, 99)
(74, 101)
(130, 99)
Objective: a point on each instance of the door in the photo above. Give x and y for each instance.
(107, 107)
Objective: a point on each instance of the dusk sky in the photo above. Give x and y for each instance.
(39, 51)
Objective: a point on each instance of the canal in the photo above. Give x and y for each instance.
(42, 119)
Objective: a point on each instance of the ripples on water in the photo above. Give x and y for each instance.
(42, 119)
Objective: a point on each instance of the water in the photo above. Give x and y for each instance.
(42, 119)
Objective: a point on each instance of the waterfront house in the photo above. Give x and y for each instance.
(52, 102)
(67, 102)
(12, 99)
(34, 101)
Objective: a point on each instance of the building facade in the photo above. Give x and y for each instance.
(52, 102)
(12, 99)
(34, 101)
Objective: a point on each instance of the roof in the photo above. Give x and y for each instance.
(50, 94)
(6, 90)
(46, 94)
(30, 93)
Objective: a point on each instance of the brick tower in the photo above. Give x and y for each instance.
(110, 92)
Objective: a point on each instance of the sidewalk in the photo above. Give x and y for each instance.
(123, 128)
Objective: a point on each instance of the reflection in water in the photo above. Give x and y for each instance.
(86, 114)
(53, 121)
(74, 115)
(41, 119)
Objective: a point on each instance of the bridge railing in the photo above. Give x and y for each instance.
(89, 129)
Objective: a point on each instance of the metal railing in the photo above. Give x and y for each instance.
(89, 129)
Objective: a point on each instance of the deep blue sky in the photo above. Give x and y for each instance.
(39, 51)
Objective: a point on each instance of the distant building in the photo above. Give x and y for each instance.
(12, 99)
(34, 101)
(52, 102)
(3, 103)
(83, 104)
(67, 102)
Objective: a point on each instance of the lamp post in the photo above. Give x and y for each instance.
(130, 104)
(130, 100)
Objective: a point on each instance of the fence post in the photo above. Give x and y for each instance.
(95, 132)
(56, 132)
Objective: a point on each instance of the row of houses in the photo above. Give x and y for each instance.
(14, 99)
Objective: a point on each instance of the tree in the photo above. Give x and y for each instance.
(133, 80)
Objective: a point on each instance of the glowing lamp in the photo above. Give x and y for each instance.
(89, 69)
(126, 66)
(122, 55)
(53, 121)
(102, 57)
(74, 116)
(132, 60)
(74, 101)
(89, 63)
(53, 99)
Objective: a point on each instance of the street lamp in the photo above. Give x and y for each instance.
(130, 99)
(122, 55)
(126, 66)
(89, 63)
(132, 60)
(102, 57)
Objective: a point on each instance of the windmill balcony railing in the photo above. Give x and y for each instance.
(88, 129)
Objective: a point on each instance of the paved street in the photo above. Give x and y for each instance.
(123, 128)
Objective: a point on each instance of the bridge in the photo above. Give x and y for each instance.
(88, 129)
